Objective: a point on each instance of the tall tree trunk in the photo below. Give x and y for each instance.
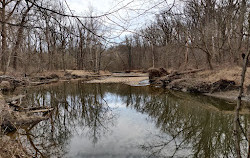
(241, 24)
(130, 58)
(80, 59)
(96, 61)
(4, 39)
(48, 44)
(248, 45)
(209, 58)
(99, 62)
(19, 38)
(238, 107)
(153, 56)
(186, 53)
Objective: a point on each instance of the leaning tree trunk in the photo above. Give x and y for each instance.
(237, 110)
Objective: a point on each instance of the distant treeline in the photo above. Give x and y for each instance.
(39, 35)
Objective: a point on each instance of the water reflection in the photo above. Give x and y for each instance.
(115, 120)
(77, 108)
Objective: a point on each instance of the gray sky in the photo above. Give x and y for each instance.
(127, 15)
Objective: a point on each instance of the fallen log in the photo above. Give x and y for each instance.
(11, 119)
(190, 71)
(184, 72)
(41, 110)
(44, 82)
(35, 108)
(11, 124)
(11, 99)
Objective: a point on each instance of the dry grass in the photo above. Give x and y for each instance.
(59, 73)
(48, 73)
(125, 80)
(12, 148)
(233, 73)
(84, 73)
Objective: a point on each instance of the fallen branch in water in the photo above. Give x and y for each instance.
(43, 82)
(15, 98)
(187, 72)
(41, 110)
(11, 119)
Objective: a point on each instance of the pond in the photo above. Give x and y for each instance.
(117, 120)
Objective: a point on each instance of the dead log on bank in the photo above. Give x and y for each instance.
(10, 119)
(15, 98)
(41, 110)
(187, 72)
(43, 82)
(160, 76)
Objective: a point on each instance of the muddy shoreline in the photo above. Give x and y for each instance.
(194, 81)
(222, 84)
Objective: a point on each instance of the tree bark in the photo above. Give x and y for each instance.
(3, 34)
(19, 39)
(153, 56)
(240, 32)
(209, 58)
(186, 54)
(238, 107)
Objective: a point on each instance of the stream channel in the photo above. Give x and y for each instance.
(118, 120)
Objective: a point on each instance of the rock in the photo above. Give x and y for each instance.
(5, 85)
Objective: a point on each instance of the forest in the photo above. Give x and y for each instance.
(43, 35)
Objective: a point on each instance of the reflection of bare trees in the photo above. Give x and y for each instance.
(186, 127)
(188, 124)
(77, 108)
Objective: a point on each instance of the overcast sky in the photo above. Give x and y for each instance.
(127, 15)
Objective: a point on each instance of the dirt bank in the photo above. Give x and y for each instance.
(220, 83)
(10, 81)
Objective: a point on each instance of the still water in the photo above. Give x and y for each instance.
(120, 121)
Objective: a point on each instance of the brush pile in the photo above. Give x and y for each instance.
(14, 115)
